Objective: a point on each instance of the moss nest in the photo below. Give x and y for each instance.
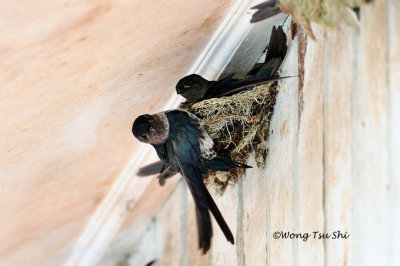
(238, 125)
(324, 12)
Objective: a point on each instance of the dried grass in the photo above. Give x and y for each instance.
(328, 13)
(239, 126)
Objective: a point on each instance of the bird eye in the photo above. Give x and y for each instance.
(144, 137)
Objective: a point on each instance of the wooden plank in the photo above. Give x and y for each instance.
(145, 249)
(370, 141)
(223, 252)
(393, 54)
(308, 179)
(168, 226)
(254, 216)
(279, 181)
(337, 143)
(140, 214)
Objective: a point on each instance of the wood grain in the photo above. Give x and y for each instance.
(339, 72)
(74, 75)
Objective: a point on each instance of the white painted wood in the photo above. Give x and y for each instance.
(279, 172)
(110, 214)
(168, 227)
(145, 249)
(338, 205)
(141, 213)
(393, 67)
(308, 199)
(370, 156)
(254, 216)
(223, 252)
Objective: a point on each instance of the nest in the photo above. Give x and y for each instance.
(324, 12)
(238, 125)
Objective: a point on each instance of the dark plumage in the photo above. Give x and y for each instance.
(276, 52)
(162, 171)
(183, 145)
(265, 10)
(195, 88)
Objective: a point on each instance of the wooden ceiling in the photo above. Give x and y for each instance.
(73, 76)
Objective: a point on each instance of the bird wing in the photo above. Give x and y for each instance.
(263, 73)
(275, 54)
(162, 170)
(185, 148)
(183, 142)
(226, 80)
(265, 10)
(219, 86)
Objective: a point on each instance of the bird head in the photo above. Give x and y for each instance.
(153, 129)
(192, 86)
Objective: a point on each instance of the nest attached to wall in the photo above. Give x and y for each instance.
(324, 12)
(238, 125)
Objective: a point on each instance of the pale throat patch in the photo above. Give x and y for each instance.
(159, 130)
